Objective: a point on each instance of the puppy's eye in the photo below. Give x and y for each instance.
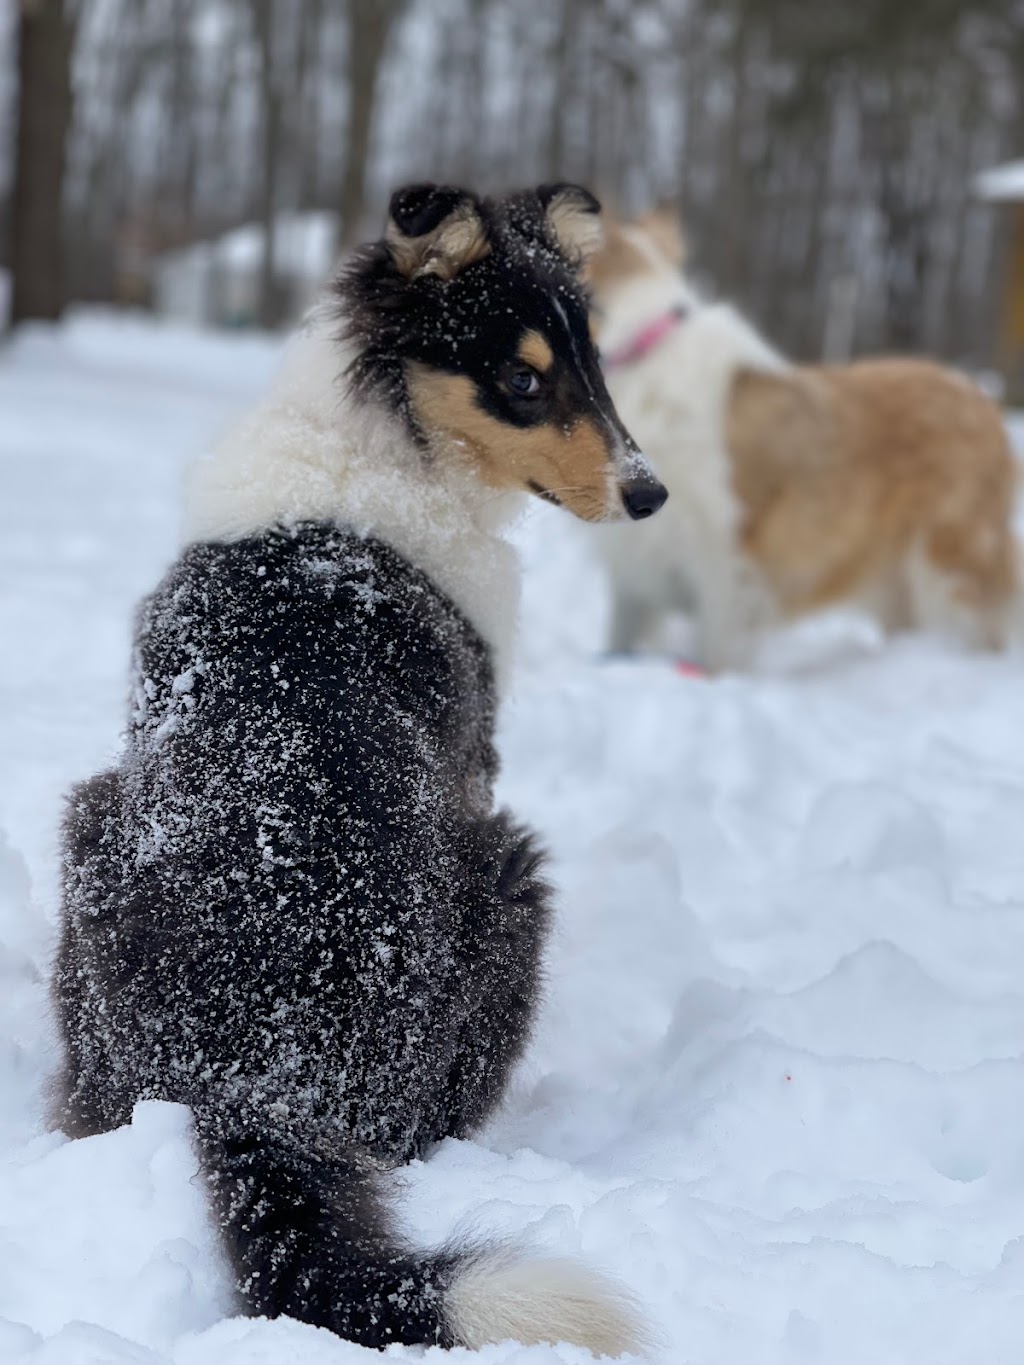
(523, 381)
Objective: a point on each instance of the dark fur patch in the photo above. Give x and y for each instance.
(292, 908)
(417, 209)
(544, 493)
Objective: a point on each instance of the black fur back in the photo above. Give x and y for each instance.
(292, 908)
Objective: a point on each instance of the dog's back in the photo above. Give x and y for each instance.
(892, 477)
(293, 866)
(301, 691)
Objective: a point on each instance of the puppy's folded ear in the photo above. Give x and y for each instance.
(435, 230)
(573, 219)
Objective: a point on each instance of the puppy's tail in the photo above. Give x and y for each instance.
(502, 1295)
(310, 1236)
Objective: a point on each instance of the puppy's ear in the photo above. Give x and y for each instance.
(664, 226)
(435, 230)
(572, 217)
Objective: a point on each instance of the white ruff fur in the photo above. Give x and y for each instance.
(505, 1298)
(673, 401)
(310, 452)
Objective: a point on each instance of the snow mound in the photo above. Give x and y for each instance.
(777, 1086)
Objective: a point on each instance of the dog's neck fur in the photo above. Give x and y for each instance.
(312, 452)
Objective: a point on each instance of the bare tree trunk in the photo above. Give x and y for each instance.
(91, 253)
(370, 25)
(458, 119)
(737, 227)
(308, 85)
(907, 255)
(475, 48)
(563, 88)
(184, 140)
(45, 39)
(270, 309)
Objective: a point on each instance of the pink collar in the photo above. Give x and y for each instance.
(645, 340)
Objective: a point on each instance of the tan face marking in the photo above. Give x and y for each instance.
(573, 466)
(535, 351)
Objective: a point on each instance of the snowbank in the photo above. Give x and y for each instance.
(778, 1083)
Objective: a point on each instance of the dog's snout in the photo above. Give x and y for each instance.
(642, 497)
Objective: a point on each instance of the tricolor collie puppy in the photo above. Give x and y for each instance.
(292, 906)
(887, 484)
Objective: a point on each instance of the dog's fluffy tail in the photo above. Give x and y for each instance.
(310, 1236)
(500, 1295)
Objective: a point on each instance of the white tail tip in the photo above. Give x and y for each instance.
(502, 1297)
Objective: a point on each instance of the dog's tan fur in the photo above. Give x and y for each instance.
(889, 482)
(843, 471)
(535, 350)
(571, 466)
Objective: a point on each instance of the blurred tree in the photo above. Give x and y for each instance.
(370, 23)
(45, 39)
(271, 103)
(824, 152)
(855, 131)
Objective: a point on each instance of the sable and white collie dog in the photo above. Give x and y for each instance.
(887, 484)
(292, 905)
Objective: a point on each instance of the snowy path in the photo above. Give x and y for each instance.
(778, 1086)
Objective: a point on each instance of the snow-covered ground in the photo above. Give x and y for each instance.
(778, 1086)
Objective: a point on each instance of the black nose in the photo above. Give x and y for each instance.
(643, 497)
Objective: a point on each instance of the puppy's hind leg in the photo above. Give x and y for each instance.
(504, 920)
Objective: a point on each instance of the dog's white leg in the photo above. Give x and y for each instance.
(634, 617)
(726, 621)
(937, 604)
